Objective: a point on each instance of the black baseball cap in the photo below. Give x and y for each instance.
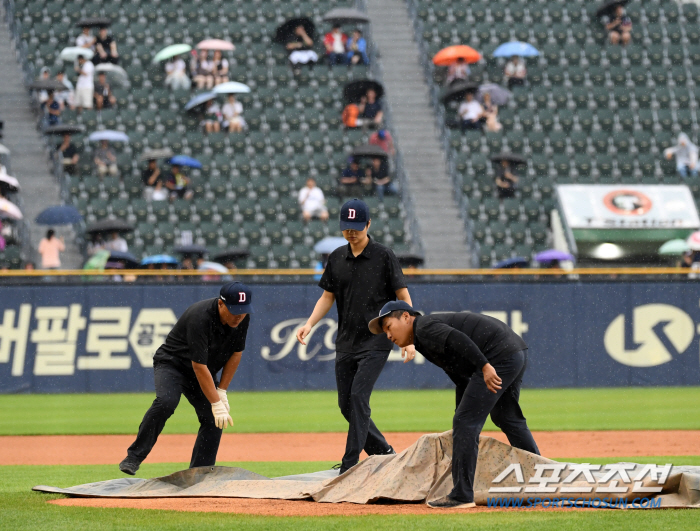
(354, 215)
(237, 297)
(375, 325)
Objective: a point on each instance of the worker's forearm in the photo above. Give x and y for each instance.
(230, 370)
(206, 382)
(403, 295)
(322, 307)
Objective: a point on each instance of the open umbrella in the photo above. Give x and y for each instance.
(285, 32)
(213, 266)
(97, 261)
(59, 215)
(47, 84)
(521, 49)
(231, 87)
(63, 129)
(449, 56)
(369, 150)
(694, 241)
(216, 44)
(329, 244)
(9, 183)
(159, 259)
(551, 255)
(190, 249)
(4, 150)
(184, 160)
(171, 51)
(128, 259)
(91, 22)
(410, 259)
(115, 73)
(510, 157)
(155, 154)
(344, 15)
(674, 248)
(512, 263)
(9, 210)
(199, 99)
(71, 53)
(109, 135)
(230, 255)
(457, 91)
(109, 225)
(608, 6)
(499, 95)
(354, 90)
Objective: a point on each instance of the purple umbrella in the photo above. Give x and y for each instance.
(550, 255)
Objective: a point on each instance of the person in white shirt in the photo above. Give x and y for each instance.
(86, 39)
(515, 72)
(312, 201)
(85, 88)
(231, 112)
(117, 243)
(220, 68)
(176, 74)
(457, 72)
(65, 97)
(471, 113)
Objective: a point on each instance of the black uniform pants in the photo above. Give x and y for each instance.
(355, 375)
(472, 412)
(171, 383)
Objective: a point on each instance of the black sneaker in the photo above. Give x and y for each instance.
(450, 503)
(129, 466)
(390, 451)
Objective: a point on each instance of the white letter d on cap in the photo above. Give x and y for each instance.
(351, 213)
(241, 297)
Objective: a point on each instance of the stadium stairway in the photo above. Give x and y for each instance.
(442, 230)
(29, 160)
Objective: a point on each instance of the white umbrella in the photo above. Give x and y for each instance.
(109, 135)
(114, 72)
(232, 87)
(72, 52)
(9, 210)
(4, 150)
(213, 266)
(8, 179)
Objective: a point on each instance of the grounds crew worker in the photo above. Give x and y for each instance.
(361, 277)
(486, 360)
(208, 337)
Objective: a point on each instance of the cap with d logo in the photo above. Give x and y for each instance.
(237, 297)
(354, 215)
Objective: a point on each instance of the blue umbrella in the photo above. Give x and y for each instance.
(109, 135)
(329, 244)
(184, 160)
(511, 263)
(59, 215)
(159, 259)
(550, 255)
(523, 49)
(199, 99)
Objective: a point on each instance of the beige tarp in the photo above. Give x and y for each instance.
(420, 473)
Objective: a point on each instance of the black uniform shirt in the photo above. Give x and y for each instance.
(361, 285)
(200, 336)
(459, 343)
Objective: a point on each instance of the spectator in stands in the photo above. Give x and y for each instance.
(232, 111)
(104, 98)
(371, 109)
(117, 243)
(301, 48)
(85, 88)
(312, 201)
(178, 183)
(334, 41)
(97, 243)
(203, 70)
(379, 174)
(457, 72)
(176, 74)
(86, 39)
(619, 27)
(212, 117)
(152, 178)
(105, 48)
(471, 113)
(50, 249)
(491, 114)
(52, 109)
(105, 160)
(505, 180)
(515, 72)
(383, 139)
(44, 75)
(65, 97)
(221, 66)
(69, 155)
(357, 49)
(686, 156)
(349, 184)
(29, 266)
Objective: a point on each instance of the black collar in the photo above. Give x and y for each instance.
(366, 252)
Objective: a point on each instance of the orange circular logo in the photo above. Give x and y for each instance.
(627, 203)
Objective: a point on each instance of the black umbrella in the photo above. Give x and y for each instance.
(285, 32)
(510, 157)
(369, 150)
(63, 129)
(90, 22)
(47, 84)
(128, 259)
(410, 259)
(155, 154)
(457, 91)
(342, 15)
(609, 5)
(354, 90)
(230, 255)
(109, 225)
(190, 249)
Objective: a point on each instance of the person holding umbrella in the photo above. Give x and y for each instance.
(231, 112)
(301, 48)
(619, 27)
(86, 39)
(334, 42)
(105, 48)
(220, 69)
(357, 49)
(65, 97)
(152, 180)
(178, 184)
(105, 160)
(491, 114)
(370, 109)
(69, 154)
(471, 113)
(505, 180)
(176, 74)
(515, 72)
(457, 72)
(52, 109)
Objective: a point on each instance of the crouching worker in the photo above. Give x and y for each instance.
(208, 337)
(486, 360)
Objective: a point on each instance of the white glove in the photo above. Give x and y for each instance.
(223, 398)
(221, 416)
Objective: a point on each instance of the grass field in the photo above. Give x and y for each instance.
(545, 409)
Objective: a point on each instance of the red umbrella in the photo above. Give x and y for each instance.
(216, 44)
(448, 56)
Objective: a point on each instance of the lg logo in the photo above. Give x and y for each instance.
(351, 213)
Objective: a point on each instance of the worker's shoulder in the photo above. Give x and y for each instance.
(198, 309)
(381, 249)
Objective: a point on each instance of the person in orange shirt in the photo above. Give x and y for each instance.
(50, 248)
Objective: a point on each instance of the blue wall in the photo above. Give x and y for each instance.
(56, 339)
